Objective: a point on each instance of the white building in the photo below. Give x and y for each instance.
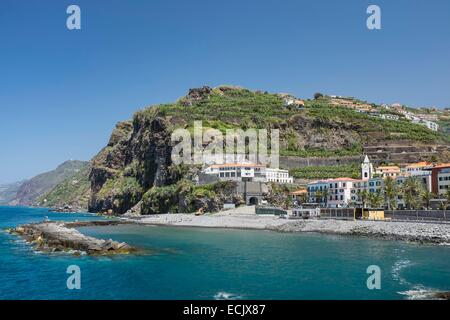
(367, 169)
(340, 192)
(387, 171)
(418, 169)
(431, 125)
(248, 172)
(237, 172)
(278, 175)
(333, 193)
(388, 116)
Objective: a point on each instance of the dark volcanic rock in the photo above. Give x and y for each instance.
(58, 236)
(137, 158)
(196, 94)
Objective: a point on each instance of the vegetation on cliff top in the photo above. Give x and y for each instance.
(229, 107)
(327, 172)
(185, 196)
(73, 191)
(135, 168)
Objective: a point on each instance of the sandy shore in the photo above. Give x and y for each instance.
(245, 218)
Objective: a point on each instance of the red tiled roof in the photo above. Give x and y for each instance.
(419, 164)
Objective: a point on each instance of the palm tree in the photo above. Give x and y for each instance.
(447, 199)
(376, 199)
(318, 196)
(364, 196)
(411, 189)
(325, 194)
(390, 191)
(427, 196)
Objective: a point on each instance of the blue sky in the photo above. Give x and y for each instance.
(61, 91)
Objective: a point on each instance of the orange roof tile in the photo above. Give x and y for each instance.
(419, 164)
(299, 192)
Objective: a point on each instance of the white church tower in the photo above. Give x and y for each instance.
(366, 169)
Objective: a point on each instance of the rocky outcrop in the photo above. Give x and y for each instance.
(61, 237)
(305, 132)
(137, 158)
(196, 94)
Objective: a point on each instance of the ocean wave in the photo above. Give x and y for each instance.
(221, 295)
(420, 293)
(398, 267)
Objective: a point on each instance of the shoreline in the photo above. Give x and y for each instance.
(244, 219)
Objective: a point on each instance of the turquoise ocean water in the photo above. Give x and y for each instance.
(194, 263)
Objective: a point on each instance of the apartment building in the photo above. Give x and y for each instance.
(440, 179)
(388, 171)
(248, 172)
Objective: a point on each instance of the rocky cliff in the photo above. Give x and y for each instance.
(134, 172)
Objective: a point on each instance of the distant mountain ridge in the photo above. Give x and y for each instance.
(29, 191)
(72, 194)
(8, 192)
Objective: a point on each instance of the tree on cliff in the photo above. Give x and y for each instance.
(318, 95)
